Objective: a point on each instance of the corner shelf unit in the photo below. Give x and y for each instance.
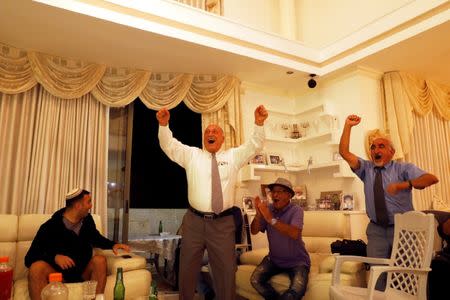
(248, 172)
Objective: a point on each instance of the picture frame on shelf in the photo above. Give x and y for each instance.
(259, 159)
(248, 205)
(274, 159)
(334, 197)
(347, 202)
(324, 204)
(266, 195)
(299, 197)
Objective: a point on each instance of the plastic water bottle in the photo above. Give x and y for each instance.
(6, 278)
(55, 290)
(119, 287)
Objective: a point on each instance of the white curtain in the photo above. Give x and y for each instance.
(430, 150)
(52, 146)
(417, 116)
(54, 120)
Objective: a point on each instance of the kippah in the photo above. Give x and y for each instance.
(73, 193)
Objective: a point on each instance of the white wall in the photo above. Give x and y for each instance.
(356, 92)
(317, 22)
(261, 15)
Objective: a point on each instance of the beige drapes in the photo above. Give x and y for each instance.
(417, 118)
(35, 87)
(51, 145)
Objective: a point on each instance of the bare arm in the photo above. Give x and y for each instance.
(344, 143)
(419, 183)
(262, 211)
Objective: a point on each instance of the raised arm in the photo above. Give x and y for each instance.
(344, 144)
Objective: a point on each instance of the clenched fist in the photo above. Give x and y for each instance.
(163, 116)
(260, 115)
(352, 120)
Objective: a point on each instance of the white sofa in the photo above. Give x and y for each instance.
(320, 229)
(16, 235)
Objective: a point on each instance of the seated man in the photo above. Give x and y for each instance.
(287, 254)
(64, 244)
(440, 265)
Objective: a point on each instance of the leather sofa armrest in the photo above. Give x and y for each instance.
(348, 267)
(135, 262)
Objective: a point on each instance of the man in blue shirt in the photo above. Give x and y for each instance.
(287, 254)
(393, 193)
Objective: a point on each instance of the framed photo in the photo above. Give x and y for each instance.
(265, 193)
(259, 159)
(347, 202)
(274, 159)
(334, 198)
(248, 204)
(300, 196)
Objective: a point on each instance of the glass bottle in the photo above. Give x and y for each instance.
(154, 291)
(6, 278)
(160, 228)
(119, 287)
(55, 290)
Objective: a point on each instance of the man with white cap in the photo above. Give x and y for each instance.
(64, 244)
(283, 222)
(208, 223)
(387, 186)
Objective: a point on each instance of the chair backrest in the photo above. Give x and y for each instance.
(412, 248)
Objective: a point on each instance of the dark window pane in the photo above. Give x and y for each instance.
(156, 181)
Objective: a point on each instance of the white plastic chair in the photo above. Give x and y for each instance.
(407, 268)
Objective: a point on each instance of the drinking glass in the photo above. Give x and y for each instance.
(89, 288)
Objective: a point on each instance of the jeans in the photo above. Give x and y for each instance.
(266, 269)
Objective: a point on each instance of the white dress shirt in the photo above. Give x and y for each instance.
(197, 163)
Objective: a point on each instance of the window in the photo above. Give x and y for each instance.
(156, 181)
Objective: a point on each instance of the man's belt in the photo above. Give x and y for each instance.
(211, 215)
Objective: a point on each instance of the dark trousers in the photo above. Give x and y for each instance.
(217, 236)
(266, 270)
(379, 244)
(438, 277)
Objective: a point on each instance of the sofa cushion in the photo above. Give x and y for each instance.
(8, 237)
(348, 267)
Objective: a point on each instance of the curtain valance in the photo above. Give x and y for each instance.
(406, 93)
(70, 78)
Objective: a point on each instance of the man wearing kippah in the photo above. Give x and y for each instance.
(64, 244)
(387, 187)
(283, 222)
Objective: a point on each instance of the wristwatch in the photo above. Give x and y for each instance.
(273, 221)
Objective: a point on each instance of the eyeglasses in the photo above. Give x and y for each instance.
(278, 191)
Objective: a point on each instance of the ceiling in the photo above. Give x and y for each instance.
(30, 25)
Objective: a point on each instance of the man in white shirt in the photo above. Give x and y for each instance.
(206, 225)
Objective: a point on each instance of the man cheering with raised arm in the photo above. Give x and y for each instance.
(387, 187)
(208, 223)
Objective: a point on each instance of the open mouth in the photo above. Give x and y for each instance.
(378, 156)
(211, 140)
